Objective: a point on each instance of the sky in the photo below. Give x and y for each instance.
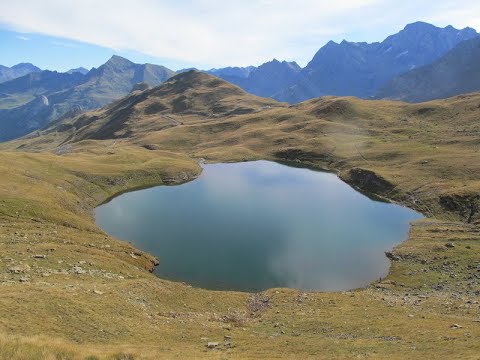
(64, 34)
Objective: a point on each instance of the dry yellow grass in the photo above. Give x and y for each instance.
(93, 297)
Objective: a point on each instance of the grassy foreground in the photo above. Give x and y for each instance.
(69, 291)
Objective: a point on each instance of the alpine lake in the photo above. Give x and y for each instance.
(256, 225)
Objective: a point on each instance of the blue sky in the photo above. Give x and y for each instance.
(62, 34)
(53, 53)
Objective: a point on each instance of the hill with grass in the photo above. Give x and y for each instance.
(84, 294)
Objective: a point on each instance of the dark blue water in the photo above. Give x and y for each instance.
(258, 225)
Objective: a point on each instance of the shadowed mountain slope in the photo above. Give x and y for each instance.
(458, 72)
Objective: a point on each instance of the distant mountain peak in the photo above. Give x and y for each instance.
(16, 71)
(118, 61)
(420, 25)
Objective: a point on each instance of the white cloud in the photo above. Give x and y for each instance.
(217, 32)
(21, 37)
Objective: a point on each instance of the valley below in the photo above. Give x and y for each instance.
(70, 291)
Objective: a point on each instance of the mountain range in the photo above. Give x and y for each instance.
(264, 80)
(360, 69)
(349, 68)
(421, 62)
(32, 101)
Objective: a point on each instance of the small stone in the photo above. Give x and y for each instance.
(212, 345)
(39, 256)
(450, 245)
(95, 291)
(456, 326)
(23, 279)
(227, 337)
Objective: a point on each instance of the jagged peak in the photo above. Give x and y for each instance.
(421, 25)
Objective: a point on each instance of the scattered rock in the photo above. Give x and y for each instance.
(258, 303)
(79, 270)
(19, 269)
(212, 345)
(39, 256)
(456, 326)
(450, 245)
(95, 291)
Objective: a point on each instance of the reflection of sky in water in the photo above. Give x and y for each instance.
(251, 226)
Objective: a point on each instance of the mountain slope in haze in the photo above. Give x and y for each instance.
(16, 71)
(360, 69)
(186, 96)
(69, 93)
(264, 80)
(231, 71)
(81, 70)
(457, 72)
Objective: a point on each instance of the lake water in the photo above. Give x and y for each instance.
(257, 225)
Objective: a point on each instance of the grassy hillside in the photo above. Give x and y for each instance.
(78, 293)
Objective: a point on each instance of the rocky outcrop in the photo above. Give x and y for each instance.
(369, 182)
(466, 206)
(296, 154)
